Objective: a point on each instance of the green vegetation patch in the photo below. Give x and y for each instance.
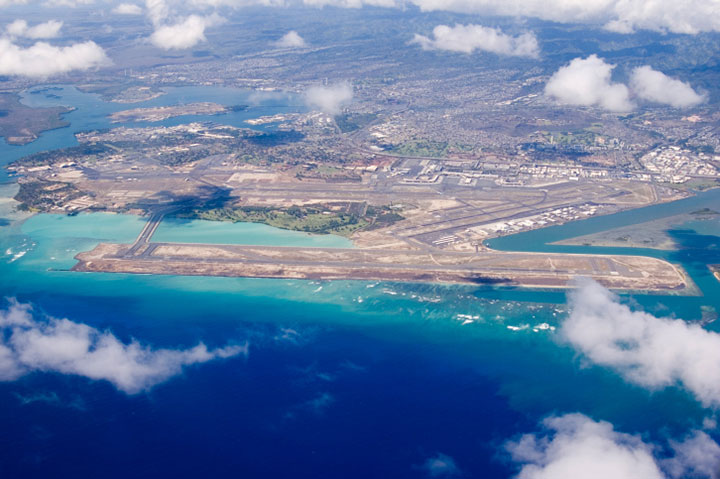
(349, 122)
(275, 138)
(423, 148)
(382, 216)
(430, 148)
(45, 195)
(322, 219)
(695, 185)
(310, 220)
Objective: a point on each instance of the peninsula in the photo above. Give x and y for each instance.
(21, 124)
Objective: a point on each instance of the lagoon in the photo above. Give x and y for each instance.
(174, 230)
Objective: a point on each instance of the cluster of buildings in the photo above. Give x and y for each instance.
(673, 164)
(556, 216)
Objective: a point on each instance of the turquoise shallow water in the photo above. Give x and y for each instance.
(343, 379)
(173, 230)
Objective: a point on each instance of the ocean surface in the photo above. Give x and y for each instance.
(343, 379)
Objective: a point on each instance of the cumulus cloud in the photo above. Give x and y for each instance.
(575, 446)
(689, 16)
(578, 447)
(352, 3)
(29, 344)
(624, 16)
(655, 86)
(291, 40)
(128, 9)
(158, 11)
(329, 99)
(185, 34)
(696, 456)
(441, 465)
(43, 60)
(468, 38)
(651, 352)
(67, 3)
(20, 28)
(587, 82)
(7, 3)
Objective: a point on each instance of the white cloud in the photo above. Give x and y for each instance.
(158, 11)
(441, 465)
(20, 28)
(28, 344)
(128, 9)
(657, 87)
(651, 352)
(241, 3)
(468, 38)
(43, 60)
(291, 40)
(7, 3)
(587, 82)
(329, 99)
(698, 456)
(688, 16)
(185, 34)
(578, 447)
(624, 16)
(352, 3)
(67, 3)
(574, 446)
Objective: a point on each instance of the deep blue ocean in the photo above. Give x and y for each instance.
(343, 379)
